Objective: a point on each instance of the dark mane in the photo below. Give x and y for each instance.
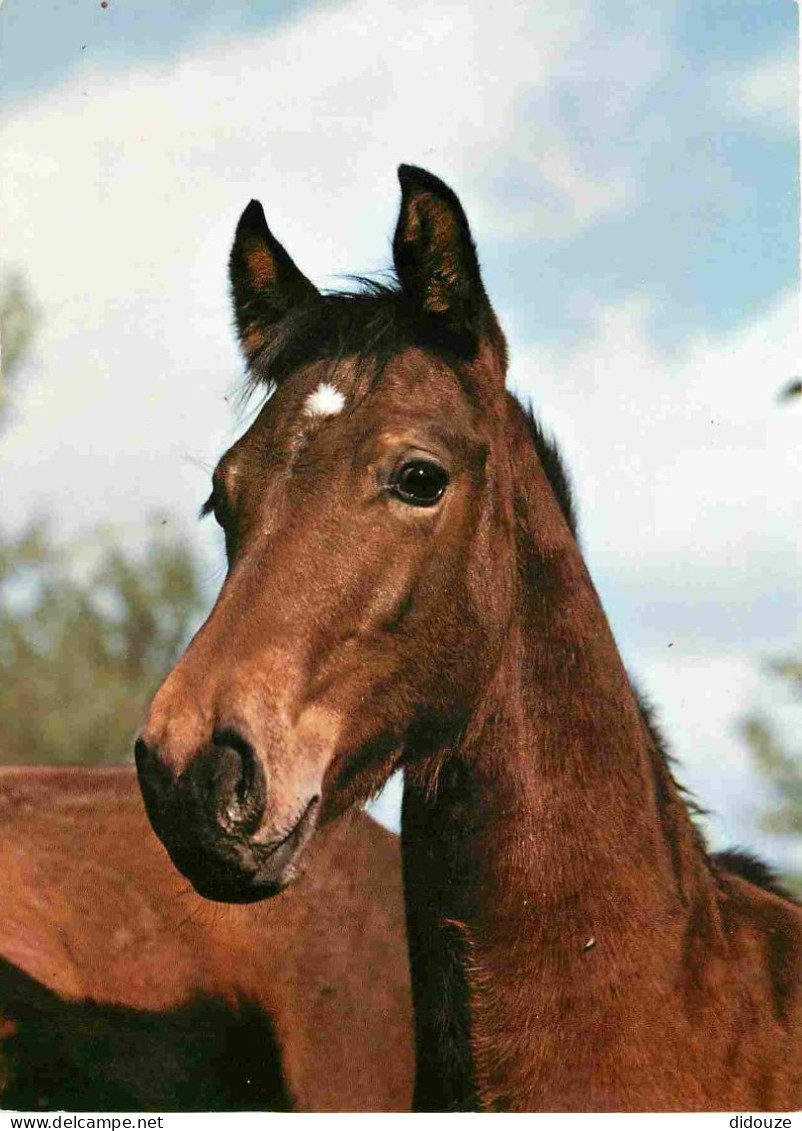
(556, 472)
(738, 862)
(648, 713)
(373, 323)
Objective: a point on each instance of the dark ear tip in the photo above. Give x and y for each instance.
(413, 177)
(409, 172)
(253, 218)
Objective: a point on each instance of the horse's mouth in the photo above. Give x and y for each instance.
(233, 871)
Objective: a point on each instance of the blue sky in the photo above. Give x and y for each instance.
(630, 175)
(43, 42)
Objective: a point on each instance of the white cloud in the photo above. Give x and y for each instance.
(687, 457)
(768, 91)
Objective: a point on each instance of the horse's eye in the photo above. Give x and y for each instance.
(420, 482)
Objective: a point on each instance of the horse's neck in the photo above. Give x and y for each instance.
(548, 852)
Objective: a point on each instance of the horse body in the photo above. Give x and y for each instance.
(120, 987)
(405, 589)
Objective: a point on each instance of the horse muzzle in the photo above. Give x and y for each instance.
(211, 820)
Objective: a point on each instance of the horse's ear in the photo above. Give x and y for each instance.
(265, 283)
(436, 261)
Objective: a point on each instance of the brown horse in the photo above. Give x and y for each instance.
(405, 589)
(121, 989)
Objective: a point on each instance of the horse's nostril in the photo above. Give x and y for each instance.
(238, 783)
(223, 787)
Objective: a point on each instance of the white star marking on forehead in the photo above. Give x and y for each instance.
(325, 401)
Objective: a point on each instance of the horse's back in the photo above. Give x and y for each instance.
(106, 948)
(89, 901)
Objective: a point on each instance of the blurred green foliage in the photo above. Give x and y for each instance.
(781, 767)
(88, 630)
(18, 318)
